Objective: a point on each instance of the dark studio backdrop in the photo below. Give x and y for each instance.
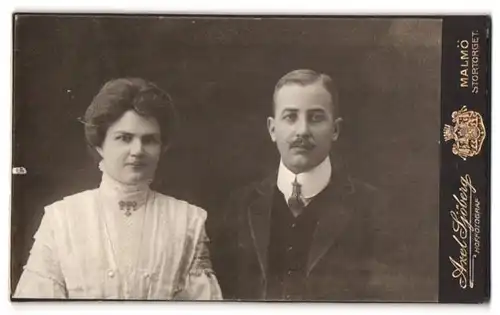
(221, 74)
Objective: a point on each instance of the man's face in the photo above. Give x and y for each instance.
(303, 125)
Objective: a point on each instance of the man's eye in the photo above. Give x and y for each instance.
(317, 117)
(290, 117)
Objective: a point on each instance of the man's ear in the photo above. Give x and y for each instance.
(336, 128)
(271, 128)
(164, 148)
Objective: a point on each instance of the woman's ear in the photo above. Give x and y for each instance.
(99, 150)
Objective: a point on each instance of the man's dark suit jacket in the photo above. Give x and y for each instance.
(341, 262)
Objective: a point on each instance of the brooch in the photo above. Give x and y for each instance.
(128, 206)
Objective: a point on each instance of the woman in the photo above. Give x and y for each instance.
(122, 240)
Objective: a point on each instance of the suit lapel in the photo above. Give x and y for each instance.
(259, 217)
(333, 219)
(332, 222)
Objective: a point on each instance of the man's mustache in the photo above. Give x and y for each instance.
(302, 143)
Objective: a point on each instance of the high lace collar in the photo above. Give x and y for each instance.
(114, 190)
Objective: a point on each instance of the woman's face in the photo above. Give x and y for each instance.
(131, 148)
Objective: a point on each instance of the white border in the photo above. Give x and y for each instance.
(228, 7)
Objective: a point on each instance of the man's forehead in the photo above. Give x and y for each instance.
(298, 101)
(303, 95)
(309, 90)
(297, 107)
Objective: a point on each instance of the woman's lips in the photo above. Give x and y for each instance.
(137, 164)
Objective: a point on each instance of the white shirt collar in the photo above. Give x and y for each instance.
(312, 181)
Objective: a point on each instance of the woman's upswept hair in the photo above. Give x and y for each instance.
(118, 96)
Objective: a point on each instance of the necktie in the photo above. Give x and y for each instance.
(295, 202)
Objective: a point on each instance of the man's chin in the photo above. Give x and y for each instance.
(299, 164)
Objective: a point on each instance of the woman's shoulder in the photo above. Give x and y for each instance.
(179, 206)
(69, 202)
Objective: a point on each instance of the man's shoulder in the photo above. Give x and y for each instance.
(355, 191)
(360, 186)
(255, 188)
(365, 196)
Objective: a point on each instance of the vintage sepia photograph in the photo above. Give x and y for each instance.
(226, 158)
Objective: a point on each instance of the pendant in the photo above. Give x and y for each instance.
(127, 206)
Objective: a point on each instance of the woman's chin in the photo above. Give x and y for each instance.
(135, 179)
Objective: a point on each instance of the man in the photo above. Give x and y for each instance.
(303, 233)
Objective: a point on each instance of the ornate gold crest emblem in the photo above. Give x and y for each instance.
(468, 132)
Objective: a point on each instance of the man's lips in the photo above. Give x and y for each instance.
(302, 147)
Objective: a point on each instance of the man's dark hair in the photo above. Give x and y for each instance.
(306, 77)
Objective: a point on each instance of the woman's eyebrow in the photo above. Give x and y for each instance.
(135, 134)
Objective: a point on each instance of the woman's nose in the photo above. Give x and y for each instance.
(136, 147)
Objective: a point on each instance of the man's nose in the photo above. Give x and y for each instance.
(302, 126)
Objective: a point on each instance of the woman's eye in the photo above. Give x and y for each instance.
(124, 138)
(150, 140)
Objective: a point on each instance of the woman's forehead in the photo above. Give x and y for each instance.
(133, 123)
